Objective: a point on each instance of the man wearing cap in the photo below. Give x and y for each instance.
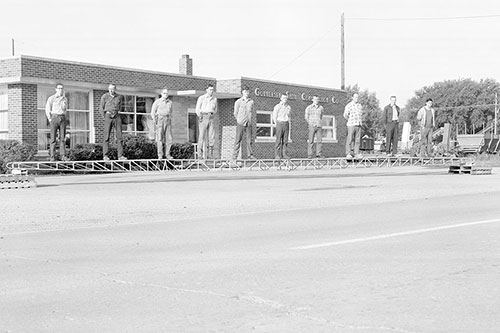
(206, 108)
(243, 109)
(161, 112)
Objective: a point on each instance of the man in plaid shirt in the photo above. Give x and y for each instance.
(314, 116)
(353, 113)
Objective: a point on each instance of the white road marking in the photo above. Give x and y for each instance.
(395, 234)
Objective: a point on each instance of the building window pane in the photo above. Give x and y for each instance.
(77, 117)
(265, 130)
(77, 121)
(78, 100)
(136, 115)
(329, 128)
(193, 123)
(4, 116)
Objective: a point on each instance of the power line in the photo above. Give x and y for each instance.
(425, 18)
(303, 52)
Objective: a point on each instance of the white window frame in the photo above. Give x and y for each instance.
(271, 125)
(333, 128)
(90, 111)
(134, 114)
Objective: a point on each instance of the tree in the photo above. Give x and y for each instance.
(466, 104)
(372, 114)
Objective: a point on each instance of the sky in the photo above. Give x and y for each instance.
(391, 47)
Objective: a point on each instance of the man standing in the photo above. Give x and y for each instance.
(161, 112)
(110, 107)
(281, 118)
(206, 108)
(55, 110)
(314, 116)
(391, 122)
(427, 118)
(353, 112)
(243, 109)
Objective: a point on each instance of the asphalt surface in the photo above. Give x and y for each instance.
(404, 249)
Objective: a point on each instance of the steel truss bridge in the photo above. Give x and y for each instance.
(162, 165)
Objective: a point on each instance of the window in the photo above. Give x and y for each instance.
(136, 115)
(193, 124)
(329, 128)
(266, 130)
(78, 117)
(4, 115)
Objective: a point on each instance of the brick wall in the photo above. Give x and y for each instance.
(54, 70)
(297, 148)
(98, 118)
(23, 113)
(10, 67)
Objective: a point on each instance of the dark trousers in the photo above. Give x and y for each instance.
(57, 123)
(109, 123)
(282, 130)
(318, 132)
(426, 141)
(353, 137)
(391, 137)
(240, 131)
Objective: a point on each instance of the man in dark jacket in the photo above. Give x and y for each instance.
(391, 121)
(110, 108)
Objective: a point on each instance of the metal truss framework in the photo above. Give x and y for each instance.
(160, 165)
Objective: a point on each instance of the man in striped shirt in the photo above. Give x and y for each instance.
(314, 116)
(353, 113)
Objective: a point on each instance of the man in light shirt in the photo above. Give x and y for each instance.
(161, 112)
(281, 118)
(206, 108)
(353, 113)
(55, 110)
(391, 121)
(243, 109)
(427, 119)
(314, 117)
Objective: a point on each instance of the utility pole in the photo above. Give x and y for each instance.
(342, 53)
(13, 53)
(496, 113)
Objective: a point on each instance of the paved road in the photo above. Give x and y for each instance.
(401, 250)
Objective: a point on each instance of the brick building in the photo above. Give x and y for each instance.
(26, 82)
